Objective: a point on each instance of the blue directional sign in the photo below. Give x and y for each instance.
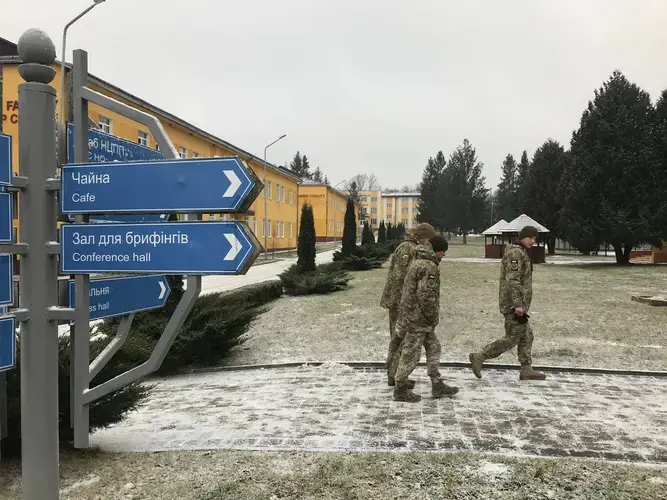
(104, 148)
(6, 280)
(5, 160)
(7, 343)
(211, 247)
(6, 228)
(111, 297)
(195, 185)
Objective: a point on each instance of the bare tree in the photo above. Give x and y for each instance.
(364, 182)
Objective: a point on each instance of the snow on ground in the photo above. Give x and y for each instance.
(333, 409)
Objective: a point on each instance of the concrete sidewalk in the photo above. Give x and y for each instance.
(337, 408)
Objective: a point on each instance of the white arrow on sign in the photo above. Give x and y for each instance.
(234, 183)
(236, 247)
(163, 290)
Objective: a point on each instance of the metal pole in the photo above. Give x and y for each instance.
(266, 195)
(80, 331)
(63, 86)
(39, 271)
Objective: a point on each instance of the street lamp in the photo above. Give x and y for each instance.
(266, 229)
(334, 211)
(63, 90)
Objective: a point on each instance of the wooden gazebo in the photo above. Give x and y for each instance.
(494, 242)
(503, 233)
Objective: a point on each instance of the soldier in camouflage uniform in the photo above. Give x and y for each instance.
(515, 296)
(418, 315)
(391, 297)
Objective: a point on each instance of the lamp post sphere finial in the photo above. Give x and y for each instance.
(37, 52)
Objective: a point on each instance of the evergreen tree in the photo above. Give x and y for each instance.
(506, 196)
(349, 230)
(306, 247)
(300, 166)
(541, 188)
(610, 185)
(430, 204)
(463, 191)
(353, 191)
(382, 233)
(366, 235)
(521, 179)
(660, 219)
(326, 181)
(317, 175)
(390, 232)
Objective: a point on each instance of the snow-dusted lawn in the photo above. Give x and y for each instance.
(328, 476)
(582, 315)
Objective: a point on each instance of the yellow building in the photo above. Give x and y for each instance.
(328, 209)
(394, 208)
(282, 186)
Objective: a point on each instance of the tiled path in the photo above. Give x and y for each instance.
(337, 408)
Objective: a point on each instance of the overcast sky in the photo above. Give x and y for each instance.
(373, 86)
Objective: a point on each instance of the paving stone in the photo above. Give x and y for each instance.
(334, 408)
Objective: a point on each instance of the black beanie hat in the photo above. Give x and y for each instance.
(439, 244)
(528, 231)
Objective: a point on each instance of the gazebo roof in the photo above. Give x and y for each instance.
(520, 222)
(496, 228)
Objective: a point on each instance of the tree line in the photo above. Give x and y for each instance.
(608, 188)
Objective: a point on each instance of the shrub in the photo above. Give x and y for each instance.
(306, 249)
(103, 412)
(326, 278)
(382, 233)
(365, 257)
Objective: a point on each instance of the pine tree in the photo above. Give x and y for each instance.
(317, 175)
(430, 204)
(305, 168)
(349, 230)
(390, 232)
(326, 181)
(541, 188)
(353, 191)
(610, 186)
(521, 179)
(463, 191)
(382, 233)
(307, 238)
(506, 196)
(300, 166)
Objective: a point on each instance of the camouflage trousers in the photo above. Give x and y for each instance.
(516, 335)
(395, 342)
(411, 351)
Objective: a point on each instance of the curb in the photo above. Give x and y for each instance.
(360, 365)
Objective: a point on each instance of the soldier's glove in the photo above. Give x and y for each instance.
(522, 320)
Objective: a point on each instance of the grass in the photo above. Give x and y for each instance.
(582, 315)
(312, 476)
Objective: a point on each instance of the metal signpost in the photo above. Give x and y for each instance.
(137, 189)
(124, 295)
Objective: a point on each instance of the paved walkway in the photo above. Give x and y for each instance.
(337, 408)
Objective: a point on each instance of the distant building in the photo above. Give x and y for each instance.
(329, 207)
(394, 208)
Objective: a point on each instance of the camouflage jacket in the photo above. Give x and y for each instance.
(516, 279)
(420, 301)
(398, 267)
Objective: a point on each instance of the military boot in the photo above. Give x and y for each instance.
(477, 361)
(402, 393)
(391, 382)
(527, 373)
(439, 389)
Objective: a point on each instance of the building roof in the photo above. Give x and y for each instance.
(312, 183)
(520, 222)
(389, 195)
(244, 155)
(496, 229)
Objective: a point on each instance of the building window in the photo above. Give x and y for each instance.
(290, 226)
(363, 199)
(404, 210)
(374, 210)
(388, 205)
(389, 216)
(105, 124)
(270, 229)
(263, 228)
(142, 138)
(291, 202)
(414, 222)
(254, 225)
(374, 199)
(195, 155)
(404, 222)
(374, 222)
(270, 186)
(182, 152)
(282, 230)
